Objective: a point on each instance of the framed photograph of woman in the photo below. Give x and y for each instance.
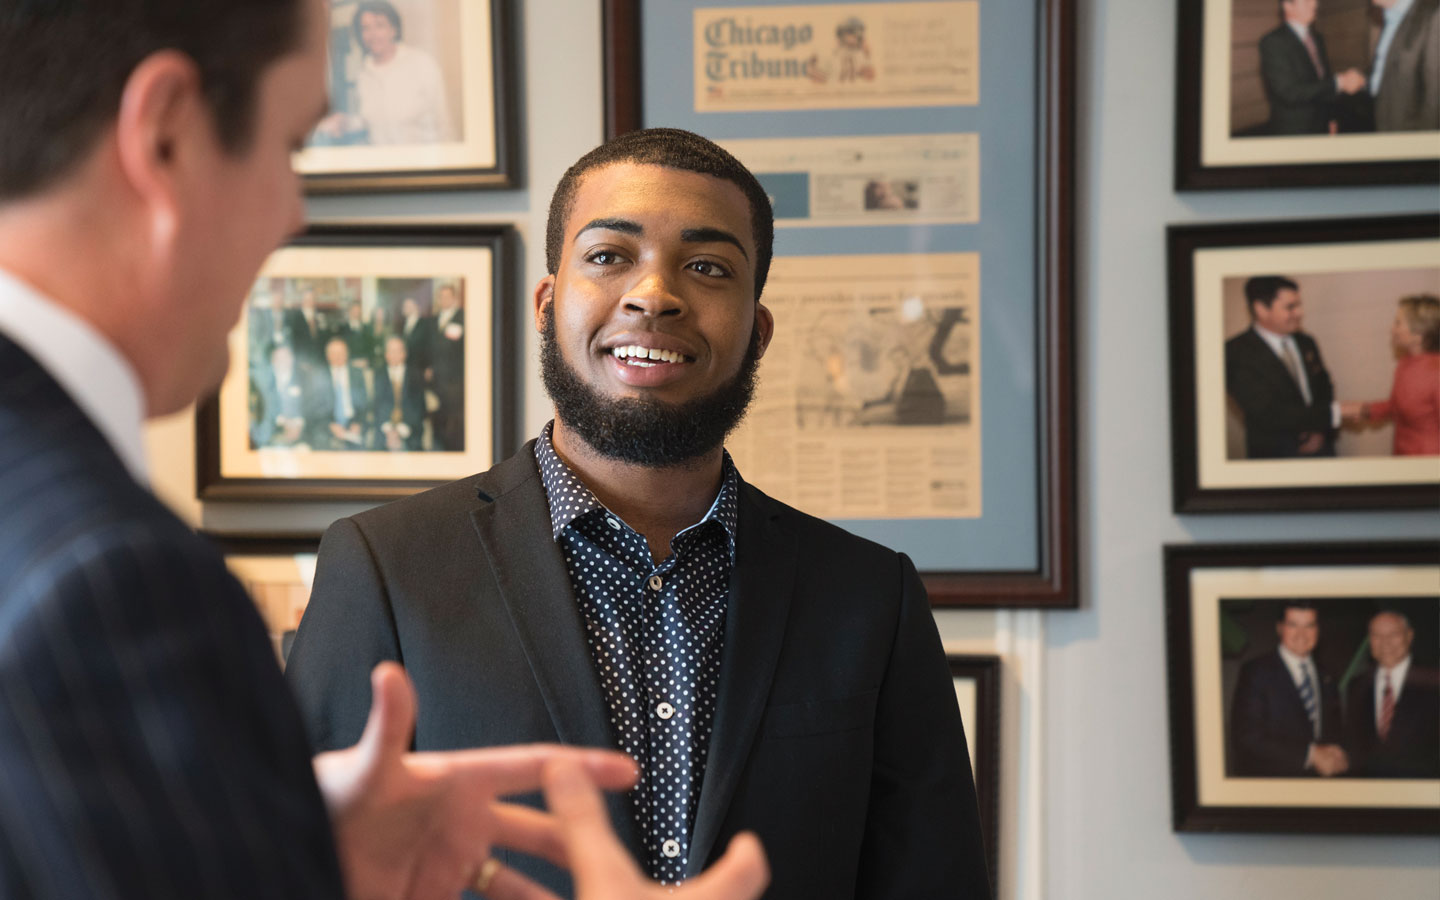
(420, 98)
(1284, 93)
(1305, 364)
(368, 363)
(1304, 687)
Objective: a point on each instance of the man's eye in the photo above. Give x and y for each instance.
(603, 258)
(711, 269)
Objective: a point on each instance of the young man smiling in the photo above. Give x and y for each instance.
(768, 670)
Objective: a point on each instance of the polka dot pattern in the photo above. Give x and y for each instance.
(655, 633)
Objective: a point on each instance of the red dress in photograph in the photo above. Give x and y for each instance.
(1414, 405)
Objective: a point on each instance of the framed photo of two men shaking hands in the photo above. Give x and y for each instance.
(1293, 93)
(1304, 685)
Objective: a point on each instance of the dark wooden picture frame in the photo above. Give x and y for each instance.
(1189, 417)
(242, 550)
(495, 310)
(1200, 581)
(390, 171)
(1281, 163)
(1053, 582)
(983, 735)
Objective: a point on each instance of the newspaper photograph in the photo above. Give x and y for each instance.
(868, 404)
(852, 55)
(904, 179)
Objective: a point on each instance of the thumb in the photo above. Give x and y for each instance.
(392, 717)
(741, 874)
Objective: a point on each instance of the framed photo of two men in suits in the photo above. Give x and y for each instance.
(1304, 687)
(1305, 364)
(1292, 93)
(368, 363)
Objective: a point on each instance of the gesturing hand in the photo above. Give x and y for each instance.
(419, 825)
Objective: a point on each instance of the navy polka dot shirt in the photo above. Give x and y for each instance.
(655, 634)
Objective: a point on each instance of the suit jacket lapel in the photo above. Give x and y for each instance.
(759, 606)
(514, 530)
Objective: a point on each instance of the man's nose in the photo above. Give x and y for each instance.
(653, 295)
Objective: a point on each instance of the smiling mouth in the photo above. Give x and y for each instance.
(647, 357)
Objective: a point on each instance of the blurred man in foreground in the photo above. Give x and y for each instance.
(148, 747)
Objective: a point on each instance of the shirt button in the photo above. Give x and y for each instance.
(664, 710)
(612, 522)
(670, 848)
(655, 583)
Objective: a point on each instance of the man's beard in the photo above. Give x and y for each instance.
(645, 431)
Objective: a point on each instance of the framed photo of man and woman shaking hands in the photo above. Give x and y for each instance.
(1305, 364)
(1307, 92)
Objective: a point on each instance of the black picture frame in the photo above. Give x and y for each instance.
(495, 249)
(1200, 580)
(1191, 392)
(982, 731)
(1052, 584)
(491, 164)
(1284, 163)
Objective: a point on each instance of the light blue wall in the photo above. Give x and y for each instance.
(1108, 831)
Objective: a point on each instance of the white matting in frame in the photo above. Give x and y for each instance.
(472, 267)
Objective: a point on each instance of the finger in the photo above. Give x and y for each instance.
(529, 831)
(392, 716)
(513, 770)
(596, 855)
(741, 874)
(508, 884)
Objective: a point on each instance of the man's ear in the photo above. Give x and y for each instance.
(162, 114)
(765, 323)
(544, 300)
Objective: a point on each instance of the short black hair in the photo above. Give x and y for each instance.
(672, 148)
(64, 65)
(1287, 605)
(1263, 289)
(379, 8)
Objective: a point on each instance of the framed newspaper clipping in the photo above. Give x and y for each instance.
(918, 155)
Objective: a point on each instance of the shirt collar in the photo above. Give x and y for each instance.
(569, 498)
(1298, 665)
(1397, 673)
(1397, 12)
(1276, 341)
(90, 369)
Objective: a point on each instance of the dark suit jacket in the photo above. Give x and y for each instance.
(1269, 731)
(1275, 411)
(412, 404)
(307, 342)
(1409, 98)
(1412, 748)
(1301, 101)
(836, 733)
(448, 361)
(359, 408)
(148, 747)
(303, 397)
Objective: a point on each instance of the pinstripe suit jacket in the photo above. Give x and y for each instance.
(148, 744)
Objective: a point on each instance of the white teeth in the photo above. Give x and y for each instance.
(634, 353)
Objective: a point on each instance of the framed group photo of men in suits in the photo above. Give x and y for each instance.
(1305, 687)
(1305, 364)
(420, 98)
(368, 363)
(1307, 92)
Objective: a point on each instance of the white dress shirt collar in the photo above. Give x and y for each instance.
(1397, 681)
(1299, 666)
(90, 369)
